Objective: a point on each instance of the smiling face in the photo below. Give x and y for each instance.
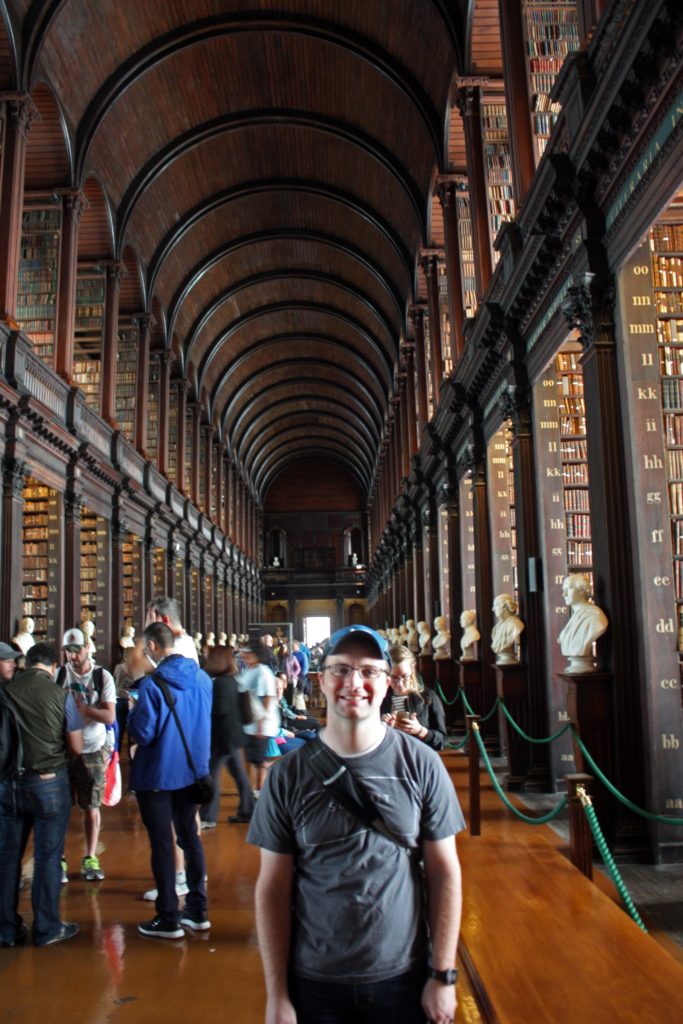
(355, 698)
(402, 678)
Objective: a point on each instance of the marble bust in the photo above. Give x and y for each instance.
(88, 628)
(470, 635)
(506, 631)
(197, 638)
(210, 639)
(586, 624)
(441, 644)
(24, 638)
(424, 637)
(411, 634)
(222, 639)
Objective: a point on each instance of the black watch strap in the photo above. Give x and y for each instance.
(448, 977)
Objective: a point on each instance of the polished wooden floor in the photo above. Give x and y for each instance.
(538, 938)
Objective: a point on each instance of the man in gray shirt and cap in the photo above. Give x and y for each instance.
(350, 929)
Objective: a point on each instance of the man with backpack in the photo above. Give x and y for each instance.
(94, 692)
(44, 725)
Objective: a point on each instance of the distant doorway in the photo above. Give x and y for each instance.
(316, 629)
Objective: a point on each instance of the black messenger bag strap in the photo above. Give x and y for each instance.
(347, 789)
(163, 686)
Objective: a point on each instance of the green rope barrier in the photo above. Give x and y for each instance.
(444, 698)
(468, 706)
(457, 746)
(661, 818)
(496, 785)
(530, 739)
(607, 857)
(485, 718)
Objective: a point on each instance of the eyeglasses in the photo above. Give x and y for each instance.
(367, 672)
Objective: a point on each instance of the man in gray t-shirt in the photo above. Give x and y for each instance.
(347, 922)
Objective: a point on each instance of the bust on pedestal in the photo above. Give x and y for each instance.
(586, 624)
(210, 639)
(505, 633)
(412, 641)
(222, 639)
(470, 635)
(127, 638)
(441, 644)
(424, 637)
(24, 638)
(197, 638)
(88, 629)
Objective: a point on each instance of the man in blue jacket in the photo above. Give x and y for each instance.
(161, 776)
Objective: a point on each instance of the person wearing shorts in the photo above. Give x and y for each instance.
(94, 692)
(258, 678)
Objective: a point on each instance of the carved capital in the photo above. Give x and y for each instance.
(577, 309)
(22, 113)
(14, 475)
(416, 315)
(73, 504)
(115, 272)
(75, 203)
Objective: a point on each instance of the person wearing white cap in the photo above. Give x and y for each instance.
(8, 662)
(94, 691)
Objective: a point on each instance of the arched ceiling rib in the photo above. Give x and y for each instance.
(270, 170)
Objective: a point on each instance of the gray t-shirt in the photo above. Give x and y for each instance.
(358, 901)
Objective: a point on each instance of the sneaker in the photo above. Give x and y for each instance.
(239, 819)
(181, 888)
(91, 869)
(157, 928)
(204, 825)
(20, 936)
(197, 922)
(67, 931)
(63, 865)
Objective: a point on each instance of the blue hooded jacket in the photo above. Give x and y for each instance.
(160, 761)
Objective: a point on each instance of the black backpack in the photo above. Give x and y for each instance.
(11, 747)
(97, 680)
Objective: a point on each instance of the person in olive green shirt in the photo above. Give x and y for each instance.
(51, 729)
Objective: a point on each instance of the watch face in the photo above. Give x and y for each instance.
(448, 977)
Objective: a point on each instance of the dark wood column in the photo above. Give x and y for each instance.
(72, 557)
(446, 192)
(416, 314)
(397, 439)
(475, 463)
(590, 307)
(207, 441)
(118, 534)
(517, 98)
(146, 323)
(110, 342)
(180, 388)
(418, 610)
(402, 413)
(430, 265)
(196, 435)
(516, 407)
(229, 485)
(14, 477)
(148, 571)
(431, 560)
(19, 115)
(165, 358)
(73, 205)
(469, 104)
(408, 354)
(219, 489)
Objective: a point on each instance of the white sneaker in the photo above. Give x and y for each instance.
(181, 887)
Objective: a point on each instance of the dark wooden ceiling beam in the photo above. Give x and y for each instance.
(254, 280)
(258, 189)
(296, 457)
(271, 456)
(282, 23)
(240, 120)
(245, 422)
(291, 366)
(386, 359)
(295, 235)
(324, 416)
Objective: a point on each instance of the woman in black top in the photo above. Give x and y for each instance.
(227, 737)
(410, 707)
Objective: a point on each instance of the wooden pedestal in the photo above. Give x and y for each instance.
(511, 686)
(446, 679)
(590, 708)
(425, 666)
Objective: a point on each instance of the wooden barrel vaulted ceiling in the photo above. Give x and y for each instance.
(271, 166)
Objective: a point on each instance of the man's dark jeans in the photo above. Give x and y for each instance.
(44, 805)
(395, 1001)
(160, 808)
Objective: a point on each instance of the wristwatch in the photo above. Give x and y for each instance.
(448, 977)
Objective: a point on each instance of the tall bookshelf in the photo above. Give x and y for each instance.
(173, 437)
(89, 333)
(186, 470)
(210, 623)
(551, 32)
(513, 515)
(446, 343)
(159, 570)
(574, 461)
(203, 504)
(498, 162)
(89, 544)
(153, 408)
(666, 248)
(466, 246)
(36, 564)
(132, 582)
(38, 278)
(126, 379)
(501, 491)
